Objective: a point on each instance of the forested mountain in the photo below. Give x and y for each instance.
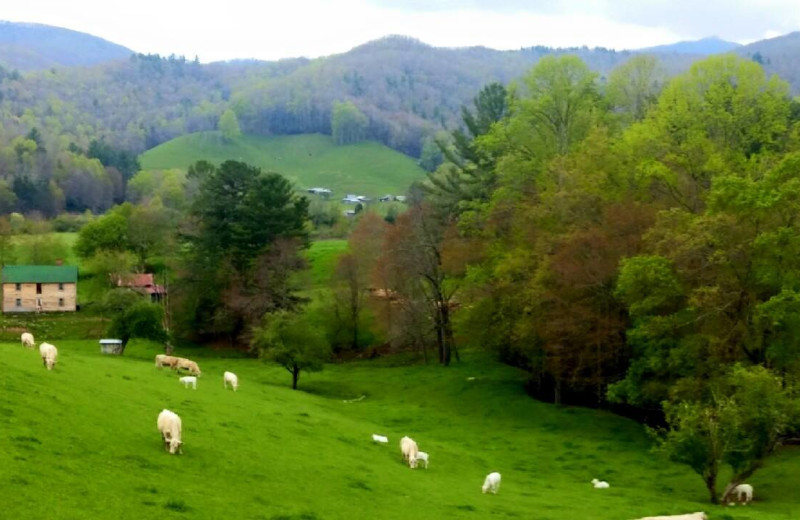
(28, 46)
(703, 47)
(777, 56)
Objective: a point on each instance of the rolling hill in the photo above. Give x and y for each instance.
(365, 168)
(702, 47)
(29, 46)
(81, 442)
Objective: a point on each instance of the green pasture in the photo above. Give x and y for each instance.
(81, 442)
(310, 160)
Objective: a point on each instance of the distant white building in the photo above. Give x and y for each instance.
(320, 191)
(351, 198)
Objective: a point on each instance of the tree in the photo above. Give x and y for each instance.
(229, 125)
(633, 87)
(142, 320)
(348, 124)
(738, 425)
(246, 230)
(291, 341)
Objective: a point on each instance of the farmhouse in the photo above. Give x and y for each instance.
(40, 288)
(145, 284)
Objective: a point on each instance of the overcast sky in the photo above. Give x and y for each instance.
(269, 30)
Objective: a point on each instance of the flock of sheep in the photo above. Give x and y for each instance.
(169, 424)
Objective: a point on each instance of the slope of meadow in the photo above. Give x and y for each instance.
(311, 160)
(81, 442)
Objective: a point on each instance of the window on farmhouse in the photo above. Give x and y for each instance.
(19, 302)
(61, 302)
(18, 286)
(38, 288)
(61, 287)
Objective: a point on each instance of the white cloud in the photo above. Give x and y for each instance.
(272, 30)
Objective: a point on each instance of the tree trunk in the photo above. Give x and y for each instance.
(711, 485)
(295, 376)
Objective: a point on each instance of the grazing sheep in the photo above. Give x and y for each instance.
(600, 484)
(491, 483)
(162, 360)
(188, 380)
(27, 340)
(379, 438)
(230, 377)
(49, 355)
(689, 516)
(409, 450)
(743, 493)
(189, 365)
(422, 456)
(169, 424)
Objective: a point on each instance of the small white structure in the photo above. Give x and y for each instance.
(27, 340)
(600, 484)
(491, 484)
(111, 346)
(380, 438)
(689, 516)
(188, 380)
(230, 377)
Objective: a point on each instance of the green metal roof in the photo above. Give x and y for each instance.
(40, 274)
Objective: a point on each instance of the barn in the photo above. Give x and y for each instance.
(40, 288)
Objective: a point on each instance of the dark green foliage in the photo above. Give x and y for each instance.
(123, 160)
(293, 342)
(141, 319)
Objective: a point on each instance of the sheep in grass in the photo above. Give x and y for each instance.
(27, 340)
(188, 380)
(409, 450)
(49, 355)
(169, 424)
(491, 484)
(163, 360)
(189, 365)
(600, 484)
(230, 377)
(422, 456)
(743, 493)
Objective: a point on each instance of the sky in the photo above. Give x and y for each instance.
(271, 30)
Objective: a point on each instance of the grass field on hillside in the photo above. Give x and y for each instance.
(81, 442)
(366, 168)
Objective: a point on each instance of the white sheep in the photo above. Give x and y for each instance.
(169, 424)
(380, 438)
(422, 456)
(600, 484)
(409, 450)
(230, 377)
(189, 365)
(188, 380)
(491, 483)
(49, 355)
(689, 516)
(743, 493)
(27, 340)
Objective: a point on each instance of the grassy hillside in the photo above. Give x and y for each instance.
(366, 168)
(81, 443)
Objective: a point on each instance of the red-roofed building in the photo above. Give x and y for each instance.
(145, 284)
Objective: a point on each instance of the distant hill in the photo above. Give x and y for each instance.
(779, 56)
(27, 46)
(704, 47)
(365, 168)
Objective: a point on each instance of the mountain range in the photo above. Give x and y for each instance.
(94, 89)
